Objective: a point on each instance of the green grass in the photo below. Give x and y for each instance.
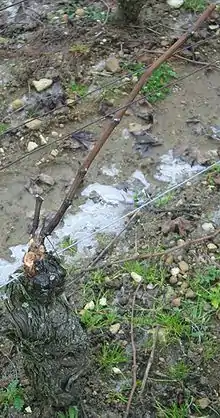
(164, 200)
(72, 412)
(195, 5)
(207, 287)
(66, 242)
(79, 89)
(12, 396)
(95, 13)
(179, 371)
(3, 127)
(150, 273)
(100, 316)
(111, 355)
(153, 88)
(173, 411)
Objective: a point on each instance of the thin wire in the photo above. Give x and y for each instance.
(11, 5)
(136, 210)
(159, 196)
(176, 81)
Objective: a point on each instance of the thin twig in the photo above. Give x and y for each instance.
(150, 362)
(108, 11)
(169, 250)
(134, 355)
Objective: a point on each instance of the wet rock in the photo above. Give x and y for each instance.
(190, 294)
(44, 178)
(203, 403)
(34, 124)
(17, 104)
(184, 267)
(42, 84)
(112, 65)
(31, 146)
(115, 328)
(208, 227)
(212, 247)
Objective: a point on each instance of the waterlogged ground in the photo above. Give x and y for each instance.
(152, 149)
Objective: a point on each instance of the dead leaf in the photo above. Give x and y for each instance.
(179, 225)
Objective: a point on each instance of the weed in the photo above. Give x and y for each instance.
(79, 89)
(210, 348)
(179, 371)
(111, 355)
(3, 127)
(174, 325)
(72, 412)
(212, 296)
(116, 397)
(173, 411)
(81, 49)
(153, 89)
(95, 13)
(164, 200)
(99, 317)
(12, 396)
(207, 277)
(195, 5)
(150, 273)
(67, 241)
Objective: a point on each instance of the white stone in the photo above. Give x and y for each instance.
(103, 301)
(208, 227)
(136, 277)
(54, 152)
(115, 328)
(211, 246)
(42, 84)
(175, 4)
(175, 271)
(89, 306)
(31, 146)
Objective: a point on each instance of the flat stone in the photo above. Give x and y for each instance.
(112, 65)
(34, 124)
(42, 84)
(184, 267)
(208, 227)
(31, 146)
(17, 104)
(44, 178)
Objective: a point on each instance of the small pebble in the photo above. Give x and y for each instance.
(136, 277)
(180, 242)
(54, 152)
(31, 146)
(169, 259)
(190, 294)
(184, 267)
(203, 403)
(115, 328)
(212, 247)
(208, 227)
(54, 134)
(173, 280)
(175, 271)
(176, 302)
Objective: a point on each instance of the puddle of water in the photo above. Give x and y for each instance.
(6, 267)
(174, 170)
(110, 203)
